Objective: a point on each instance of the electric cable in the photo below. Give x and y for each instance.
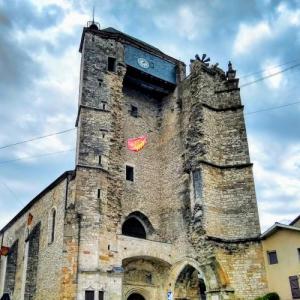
(37, 138)
(269, 76)
(272, 108)
(34, 156)
(268, 69)
(12, 193)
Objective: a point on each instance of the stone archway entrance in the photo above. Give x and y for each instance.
(136, 296)
(190, 285)
(144, 278)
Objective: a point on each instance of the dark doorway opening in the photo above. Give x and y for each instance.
(190, 285)
(135, 296)
(133, 227)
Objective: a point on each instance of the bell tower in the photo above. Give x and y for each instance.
(180, 213)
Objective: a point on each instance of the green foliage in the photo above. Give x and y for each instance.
(269, 296)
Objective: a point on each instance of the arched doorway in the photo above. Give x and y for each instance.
(136, 296)
(190, 285)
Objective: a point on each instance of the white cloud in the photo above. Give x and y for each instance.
(277, 178)
(269, 67)
(185, 22)
(146, 4)
(250, 36)
(40, 4)
(287, 16)
(63, 79)
(68, 25)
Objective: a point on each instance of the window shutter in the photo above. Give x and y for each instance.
(295, 289)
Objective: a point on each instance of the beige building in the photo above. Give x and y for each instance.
(281, 245)
(177, 220)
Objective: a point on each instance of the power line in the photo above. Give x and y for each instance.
(34, 156)
(243, 85)
(37, 138)
(265, 70)
(272, 108)
(12, 193)
(269, 76)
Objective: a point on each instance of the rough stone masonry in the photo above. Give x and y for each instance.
(176, 220)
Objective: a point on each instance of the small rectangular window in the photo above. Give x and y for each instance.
(101, 295)
(100, 160)
(89, 295)
(129, 173)
(99, 193)
(134, 111)
(111, 64)
(295, 288)
(272, 256)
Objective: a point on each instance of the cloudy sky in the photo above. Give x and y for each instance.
(39, 68)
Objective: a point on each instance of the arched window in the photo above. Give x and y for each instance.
(133, 227)
(52, 225)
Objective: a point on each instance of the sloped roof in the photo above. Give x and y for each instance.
(113, 30)
(295, 220)
(276, 227)
(36, 199)
(112, 33)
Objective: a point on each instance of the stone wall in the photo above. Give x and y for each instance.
(49, 255)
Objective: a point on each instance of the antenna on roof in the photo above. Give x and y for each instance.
(92, 24)
(94, 13)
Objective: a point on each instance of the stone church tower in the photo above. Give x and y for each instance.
(176, 220)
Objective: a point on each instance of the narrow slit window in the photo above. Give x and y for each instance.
(134, 111)
(111, 64)
(197, 184)
(298, 251)
(100, 160)
(272, 257)
(89, 295)
(99, 193)
(53, 220)
(129, 173)
(103, 106)
(101, 295)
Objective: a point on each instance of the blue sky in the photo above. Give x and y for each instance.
(39, 68)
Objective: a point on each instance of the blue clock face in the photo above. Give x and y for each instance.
(143, 63)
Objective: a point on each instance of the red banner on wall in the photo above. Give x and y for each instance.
(136, 144)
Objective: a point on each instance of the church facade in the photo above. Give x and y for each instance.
(175, 219)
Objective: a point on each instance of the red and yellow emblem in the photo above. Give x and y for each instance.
(4, 251)
(137, 144)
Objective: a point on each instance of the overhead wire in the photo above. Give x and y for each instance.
(268, 69)
(272, 108)
(34, 156)
(37, 138)
(270, 75)
(12, 193)
(71, 129)
(243, 85)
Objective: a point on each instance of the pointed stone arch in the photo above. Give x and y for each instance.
(215, 279)
(140, 221)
